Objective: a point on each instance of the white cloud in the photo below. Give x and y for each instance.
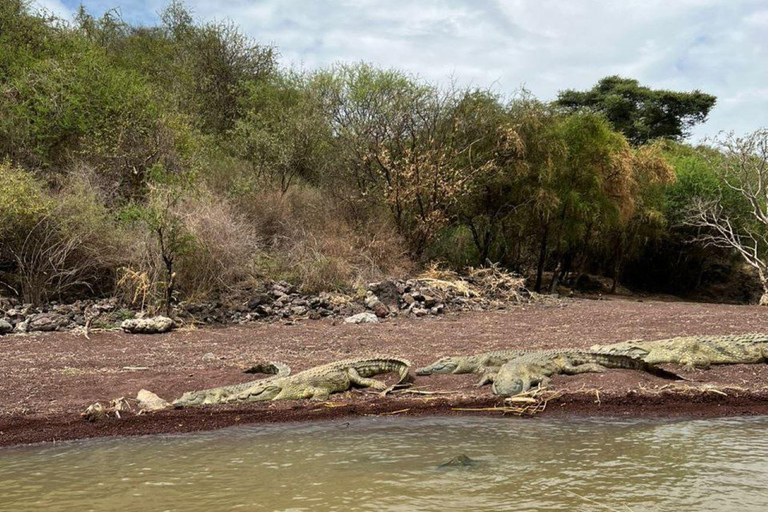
(55, 7)
(718, 46)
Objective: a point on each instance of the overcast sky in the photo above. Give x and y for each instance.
(717, 46)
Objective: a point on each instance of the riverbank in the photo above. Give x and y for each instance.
(48, 379)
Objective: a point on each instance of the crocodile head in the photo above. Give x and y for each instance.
(508, 387)
(190, 398)
(259, 393)
(447, 364)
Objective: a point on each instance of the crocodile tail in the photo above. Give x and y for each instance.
(634, 363)
(405, 374)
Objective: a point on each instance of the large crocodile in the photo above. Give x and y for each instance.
(487, 364)
(520, 374)
(695, 351)
(220, 394)
(317, 383)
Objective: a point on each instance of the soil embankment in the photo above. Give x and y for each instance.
(47, 380)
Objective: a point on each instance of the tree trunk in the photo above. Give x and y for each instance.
(618, 257)
(764, 282)
(542, 259)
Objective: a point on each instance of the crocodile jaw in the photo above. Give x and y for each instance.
(506, 387)
(442, 366)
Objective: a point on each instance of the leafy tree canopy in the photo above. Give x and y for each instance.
(639, 112)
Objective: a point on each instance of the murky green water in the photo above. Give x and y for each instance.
(390, 465)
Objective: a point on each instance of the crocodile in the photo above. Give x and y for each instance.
(519, 375)
(220, 394)
(320, 382)
(695, 351)
(487, 364)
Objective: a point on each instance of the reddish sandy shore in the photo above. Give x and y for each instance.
(47, 380)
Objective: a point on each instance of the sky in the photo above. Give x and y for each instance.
(717, 46)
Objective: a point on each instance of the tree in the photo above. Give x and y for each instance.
(645, 217)
(639, 112)
(737, 216)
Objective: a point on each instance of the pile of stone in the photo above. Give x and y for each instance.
(430, 294)
(22, 318)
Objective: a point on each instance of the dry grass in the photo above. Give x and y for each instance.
(224, 249)
(312, 242)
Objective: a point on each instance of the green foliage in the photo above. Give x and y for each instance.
(177, 161)
(284, 134)
(641, 113)
(23, 201)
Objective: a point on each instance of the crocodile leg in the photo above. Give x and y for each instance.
(319, 394)
(355, 378)
(488, 375)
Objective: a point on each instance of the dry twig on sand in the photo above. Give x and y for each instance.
(525, 404)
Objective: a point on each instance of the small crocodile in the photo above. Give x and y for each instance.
(695, 351)
(220, 394)
(319, 382)
(487, 364)
(519, 375)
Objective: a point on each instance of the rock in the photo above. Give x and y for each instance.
(315, 315)
(362, 318)
(21, 327)
(152, 325)
(420, 311)
(408, 298)
(299, 310)
(460, 461)
(5, 327)
(380, 310)
(210, 356)
(429, 301)
(47, 322)
(371, 300)
(148, 401)
(387, 292)
(437, 310)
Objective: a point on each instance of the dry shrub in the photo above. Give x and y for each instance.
(70, 251)
(223, 251)
(313, 242)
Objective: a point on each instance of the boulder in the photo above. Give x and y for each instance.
(148, 401)
(152, 325)
(362, 318)
(380, 310)
(5, 327)
(47, 322)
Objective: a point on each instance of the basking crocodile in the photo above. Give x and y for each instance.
(220, 394)
(519, 375)
(487, 364)
(695, 351)
(319, 382)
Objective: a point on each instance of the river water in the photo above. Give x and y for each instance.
(390, 464)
